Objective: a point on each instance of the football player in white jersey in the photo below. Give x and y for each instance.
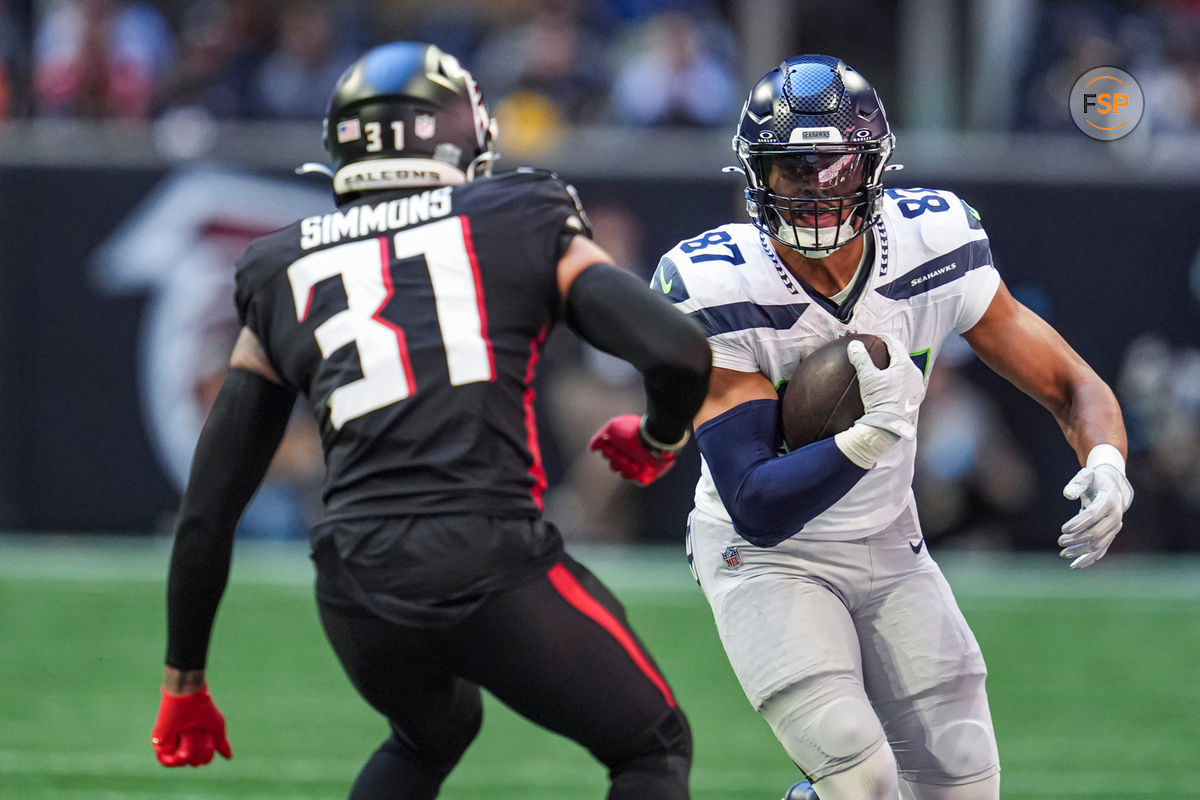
(840, 627)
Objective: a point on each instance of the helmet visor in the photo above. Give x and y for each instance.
(814, 175)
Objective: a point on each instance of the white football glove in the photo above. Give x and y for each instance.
(892, 395)
(1104, 494)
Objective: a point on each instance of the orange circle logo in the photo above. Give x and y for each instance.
(1106, 103)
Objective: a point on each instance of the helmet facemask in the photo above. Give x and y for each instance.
(481, 165)
(814, 198)
(813, 142)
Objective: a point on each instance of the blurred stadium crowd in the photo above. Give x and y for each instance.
(548, 65)
(1157, 42)
(551, 62)
(566, 60)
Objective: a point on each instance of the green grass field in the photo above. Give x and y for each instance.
(1092, 684)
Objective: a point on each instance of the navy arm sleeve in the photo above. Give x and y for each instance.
(239, 439)
(614, 311)
(768, 496)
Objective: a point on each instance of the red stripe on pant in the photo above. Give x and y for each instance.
(574, 593)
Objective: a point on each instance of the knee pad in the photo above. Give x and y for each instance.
(400, 762)
(968, 749)
(824, 739)
(947, 740)
(665, 746)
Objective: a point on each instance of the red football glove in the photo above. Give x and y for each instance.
(620, 442)
(188, 729)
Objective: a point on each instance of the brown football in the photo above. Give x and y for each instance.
(822, 397)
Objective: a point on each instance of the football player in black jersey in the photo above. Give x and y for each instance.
(411, 318)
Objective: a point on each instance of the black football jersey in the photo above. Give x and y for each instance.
(413, 323)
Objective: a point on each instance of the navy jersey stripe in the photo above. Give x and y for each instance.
(744, 316)
(939, 271)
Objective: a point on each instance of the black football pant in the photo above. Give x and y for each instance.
(556, 649)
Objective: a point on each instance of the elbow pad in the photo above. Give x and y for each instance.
(771, 497)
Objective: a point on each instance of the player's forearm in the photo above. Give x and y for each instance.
(243, 430)
(614, 311)
(673, 395)
(199, 573)
(1090, 417)
(770, 497)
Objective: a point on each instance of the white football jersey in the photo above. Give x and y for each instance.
(931, 275)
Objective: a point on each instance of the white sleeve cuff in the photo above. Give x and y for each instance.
(864, 444)
(1106, 454)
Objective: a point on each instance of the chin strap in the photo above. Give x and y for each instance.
(843, 234)
(816, 254)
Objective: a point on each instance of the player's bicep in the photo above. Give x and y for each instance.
(1024, 349)
(579, 255)
(728, 388)
(249, 354)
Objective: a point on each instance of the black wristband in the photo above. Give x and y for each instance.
(659, 448)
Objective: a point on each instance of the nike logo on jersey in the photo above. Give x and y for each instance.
(916, 547)
(909, 405)
(667, 280)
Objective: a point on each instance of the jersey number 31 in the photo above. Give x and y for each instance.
(365, 269)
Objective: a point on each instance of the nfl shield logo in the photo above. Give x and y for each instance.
(348, 131)
(424, 126)
(733, 559)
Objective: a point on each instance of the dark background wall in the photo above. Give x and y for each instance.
(1104, 263)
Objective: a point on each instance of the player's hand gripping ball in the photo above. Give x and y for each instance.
(188, 730)
(823, 398)
(621, 443)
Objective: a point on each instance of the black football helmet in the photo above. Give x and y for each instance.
(406, 115)
(813, 142)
